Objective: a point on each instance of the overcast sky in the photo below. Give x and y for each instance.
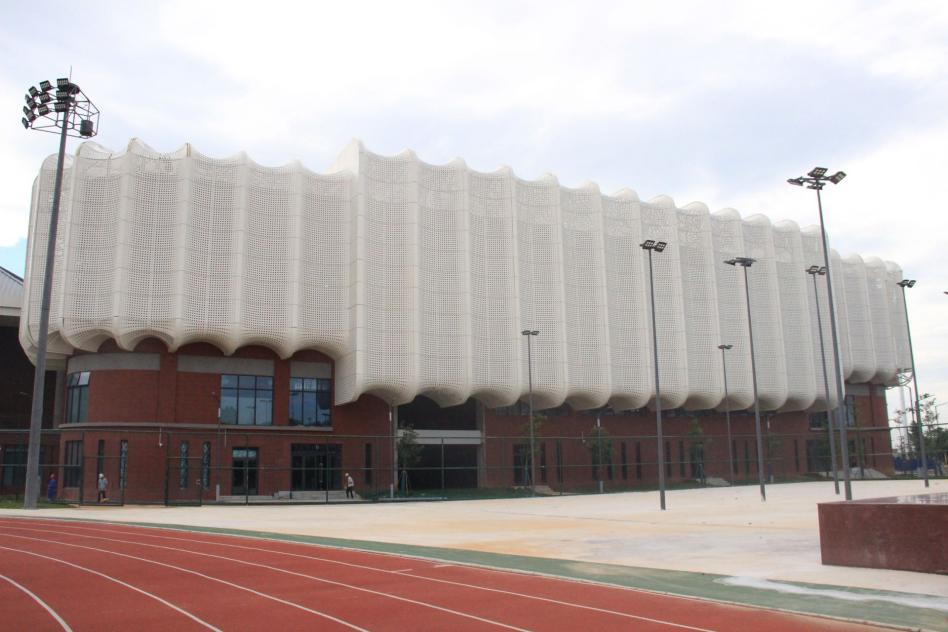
(713, 101)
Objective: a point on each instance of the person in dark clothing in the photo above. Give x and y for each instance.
(51, 488)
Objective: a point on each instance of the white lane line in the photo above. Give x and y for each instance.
(111, 579)
(185, 570)
(280, 570)
(36, 598)
(431, 579)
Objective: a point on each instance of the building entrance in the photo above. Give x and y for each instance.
(316, 467)
(244, 468)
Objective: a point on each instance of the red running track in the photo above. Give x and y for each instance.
(66, 575)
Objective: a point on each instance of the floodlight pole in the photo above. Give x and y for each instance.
(840, 390)
(530, 333)
(33, 483)
(746, 262)
(727, 412)
(918, 407)
(649, 246)
(813, 271)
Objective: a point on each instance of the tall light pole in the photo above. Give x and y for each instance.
(746, 262)
(71, 114)
(904, 283)
(727, 411)
(650, 245)
(816, 180)
(530, 333)
(815, 271)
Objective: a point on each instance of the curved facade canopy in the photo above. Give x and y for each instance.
(418, 279)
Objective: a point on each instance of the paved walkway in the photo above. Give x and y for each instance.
(726, 532)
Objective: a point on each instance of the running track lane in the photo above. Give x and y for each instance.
(233, 582)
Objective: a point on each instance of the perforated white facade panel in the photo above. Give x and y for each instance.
(859, 318)
(767, 320)
(794, 316)
(880, 313)
(418, 279)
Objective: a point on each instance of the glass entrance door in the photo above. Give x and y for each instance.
(316, 467)
(244, 468)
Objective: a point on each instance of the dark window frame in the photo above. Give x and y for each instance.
(77, 397)
(246, 400)
(72, 464)
(310, 402)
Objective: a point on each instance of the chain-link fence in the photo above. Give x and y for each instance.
(237, 465)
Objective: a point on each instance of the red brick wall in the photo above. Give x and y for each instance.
(165, 405)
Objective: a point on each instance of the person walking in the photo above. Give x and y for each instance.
(103, 487)
(350, 486)
(51, 488)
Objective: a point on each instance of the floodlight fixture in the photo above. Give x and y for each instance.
(78, 118)
(816, 179)
(650, 246)
(815, 271)
(727, 412)
(747, 262)
(530, 333)
(744, 262)
(904, 283)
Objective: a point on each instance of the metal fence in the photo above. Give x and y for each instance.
(233, 465)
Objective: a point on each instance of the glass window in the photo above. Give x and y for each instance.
(246, 400)
(72, 469)
(310, 402)
(77, 397)
(123, 462)
(818, 421)
(206, 465)
(14, 465)
(183, 466)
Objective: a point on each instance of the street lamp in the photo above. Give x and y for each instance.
(746, 262)
(816, 180)
(904, 283)
(650, 245)
(727, 412)
(73, 114)
(530, 333)
(813, 271)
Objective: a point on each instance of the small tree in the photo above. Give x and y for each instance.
(697, 440)
(600, 449)
(409, 453)
(538, 420)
